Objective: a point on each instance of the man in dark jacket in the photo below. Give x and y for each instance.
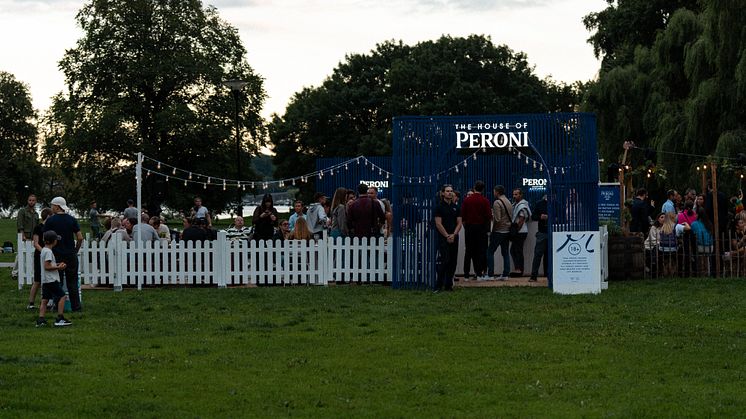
(640, 211)
(365, 216)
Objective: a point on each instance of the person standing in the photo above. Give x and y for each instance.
(640, 212)
(448, 225)
(297, 213)
(201, 212)
(670, 204)
(502, 212)
(38, 239)
(95, 222)
(130, 211)
(542, 243)
(476, 215)
(26, 222)
(364, 216)
(339, 214)
(265, 219)
(67, 248)
(51, 288)
(521, 213)
(316, 217)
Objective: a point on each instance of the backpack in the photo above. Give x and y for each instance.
(668, 241)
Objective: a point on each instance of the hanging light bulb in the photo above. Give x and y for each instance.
(264, 185)
(159, 165)
(204, 186)
(243, 187)
(534, 164)
(208, 180)
(321, 175)
(465, 163)
(519, 155)
(346, 166)
(293, 181)
(526, 159)
(185, 183)
(252, 185)
(475, 155)
(166, 178)
(456, 169)
(704, 167)
(190, 175)
(563, 170)
(541, 167)
(173, 172)
(698, 168)
(147, 173)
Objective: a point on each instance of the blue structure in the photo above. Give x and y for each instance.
(370, 170)
(540, 153)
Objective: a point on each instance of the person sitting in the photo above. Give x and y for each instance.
(652, 259)
(283, 233)
(146, 231)
(668, 242)
(238, 231)
(301, 231)
(116, 228)
(192, 232)
(163, 232)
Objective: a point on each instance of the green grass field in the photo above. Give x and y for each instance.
(670, 348)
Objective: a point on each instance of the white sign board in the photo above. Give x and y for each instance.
(576, 264)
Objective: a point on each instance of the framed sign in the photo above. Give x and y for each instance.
(608, 203)
(576, 265)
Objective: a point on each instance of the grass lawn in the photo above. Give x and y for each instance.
(657, 348)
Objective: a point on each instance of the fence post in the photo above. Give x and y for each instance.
(323, 259)
(117, 263)
(220, 257)
(21, 260)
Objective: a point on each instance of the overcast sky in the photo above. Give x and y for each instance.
(297, 43)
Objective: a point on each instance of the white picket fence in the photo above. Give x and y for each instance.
(224, 262)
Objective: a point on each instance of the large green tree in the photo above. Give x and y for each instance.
(684, 91)
(351, 112)
(147, 76)
(19, 168)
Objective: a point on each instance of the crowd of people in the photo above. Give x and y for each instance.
(683, 238)
(487, 227)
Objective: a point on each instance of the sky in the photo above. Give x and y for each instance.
(297, 43)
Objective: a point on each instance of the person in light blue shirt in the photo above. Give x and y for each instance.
(670, 204)
(298, 213)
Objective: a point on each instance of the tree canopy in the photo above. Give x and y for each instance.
(351, 112)
(682, 91)
(146, 76)
(19, 169)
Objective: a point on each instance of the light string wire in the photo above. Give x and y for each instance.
(190, 177)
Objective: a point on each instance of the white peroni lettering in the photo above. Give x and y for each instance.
(491, 140)
(376, 183)
(534, 182)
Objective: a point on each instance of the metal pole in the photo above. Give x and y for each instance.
(138, 238)
(715, 217)
(239, 209)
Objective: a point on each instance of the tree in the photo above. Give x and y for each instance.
(351, 112)
(19, 168)
(146, 76)
(684, 92)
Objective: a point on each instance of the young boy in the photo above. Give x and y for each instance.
(50, 282)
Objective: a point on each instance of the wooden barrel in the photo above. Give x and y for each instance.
(626, 257)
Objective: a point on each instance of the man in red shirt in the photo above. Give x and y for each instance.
(476, 214)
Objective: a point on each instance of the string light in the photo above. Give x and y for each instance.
(159, 165)
(174, 172)
(185, 183)
(166, 178)
(190, 175)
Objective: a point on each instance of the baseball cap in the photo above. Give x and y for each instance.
(50, 236)
(60, 202)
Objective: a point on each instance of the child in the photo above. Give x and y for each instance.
(50, 282)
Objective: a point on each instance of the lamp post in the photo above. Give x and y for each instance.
(236, 86)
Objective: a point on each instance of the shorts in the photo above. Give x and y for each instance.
(52, 291)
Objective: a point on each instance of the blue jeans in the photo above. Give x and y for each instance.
(540, 253)
(501, 240)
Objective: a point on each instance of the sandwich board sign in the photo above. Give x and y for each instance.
(576, 263)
